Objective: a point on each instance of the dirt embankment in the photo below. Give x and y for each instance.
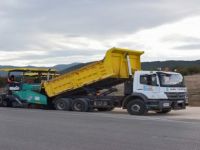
(193, 85)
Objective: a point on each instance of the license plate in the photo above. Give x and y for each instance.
(165, 104)
(180, 102)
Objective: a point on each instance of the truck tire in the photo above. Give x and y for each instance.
(62, 104)
(5, 103)
(164, 111)
(1, 101)
(14, 104)
(136, 107)
(80, 105)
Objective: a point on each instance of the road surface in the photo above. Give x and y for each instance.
(32, 129)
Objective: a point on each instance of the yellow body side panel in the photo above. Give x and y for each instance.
(114, 65)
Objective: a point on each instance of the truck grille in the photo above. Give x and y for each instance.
(176, 96)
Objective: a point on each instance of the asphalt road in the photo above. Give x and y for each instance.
(23, 129)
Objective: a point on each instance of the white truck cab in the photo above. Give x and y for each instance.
(157, 90)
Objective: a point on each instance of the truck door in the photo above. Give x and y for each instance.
(148, 85)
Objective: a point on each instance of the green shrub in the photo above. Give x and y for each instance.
(188, 70)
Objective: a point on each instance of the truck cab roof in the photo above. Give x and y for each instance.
(28, 70)
(153, 72)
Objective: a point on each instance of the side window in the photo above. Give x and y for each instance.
(143, 79)
(154, 80)
(148, 80)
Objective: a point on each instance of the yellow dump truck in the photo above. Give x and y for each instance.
(93, 86)
(90, 87)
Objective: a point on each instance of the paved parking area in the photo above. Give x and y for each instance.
(188, 114)
(31, 129)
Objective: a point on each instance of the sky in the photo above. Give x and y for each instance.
(50, 32)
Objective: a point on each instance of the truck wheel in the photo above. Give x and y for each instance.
(14, 104)
(136, 107)
(80, 105)
(62, 104)
(164, 111)
(5, 103)
(1, 101)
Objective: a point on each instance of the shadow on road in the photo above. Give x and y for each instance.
(150, 113)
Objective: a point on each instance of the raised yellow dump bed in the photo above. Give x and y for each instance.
(114, 65)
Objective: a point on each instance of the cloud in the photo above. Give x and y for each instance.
(89, 17)
(179, 37)
(35, 32)
(153, 41)
(189, 47)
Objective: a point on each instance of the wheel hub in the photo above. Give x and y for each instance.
(61, 105)
(77, 106)
(135, 108)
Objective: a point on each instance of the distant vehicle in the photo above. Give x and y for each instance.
(90, 87)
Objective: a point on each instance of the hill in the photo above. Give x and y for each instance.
(185, 67)
(170, 64)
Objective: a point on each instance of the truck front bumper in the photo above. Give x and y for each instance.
(166, 104)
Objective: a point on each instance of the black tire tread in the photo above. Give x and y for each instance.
(140, 102)
(66, 101)
(84, 102)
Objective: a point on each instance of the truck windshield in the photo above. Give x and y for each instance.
(167, 79)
